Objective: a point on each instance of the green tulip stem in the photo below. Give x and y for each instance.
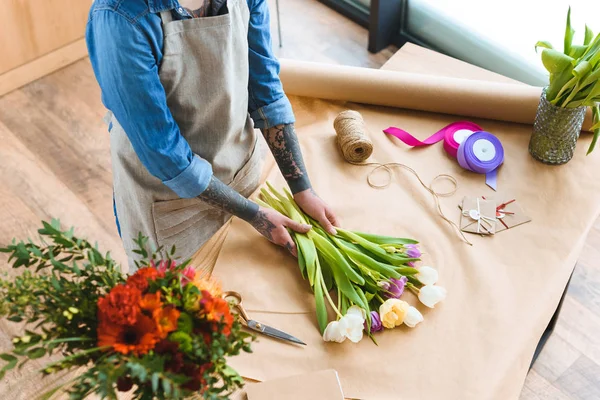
(328, 296)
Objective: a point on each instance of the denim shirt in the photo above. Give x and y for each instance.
(125, 44)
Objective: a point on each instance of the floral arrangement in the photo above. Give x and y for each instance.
(574, 74)
(367, 273)
(164, 332)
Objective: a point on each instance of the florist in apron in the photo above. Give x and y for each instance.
(185, 85)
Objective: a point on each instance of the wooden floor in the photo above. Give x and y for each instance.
(55, 163)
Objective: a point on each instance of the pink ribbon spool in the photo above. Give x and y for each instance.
(452, 135)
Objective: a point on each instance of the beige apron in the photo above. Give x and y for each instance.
(204, 72)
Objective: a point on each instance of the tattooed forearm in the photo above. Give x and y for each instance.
(261, 223)
(221, 196)
(284, 145)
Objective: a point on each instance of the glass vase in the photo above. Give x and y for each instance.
(555, 132)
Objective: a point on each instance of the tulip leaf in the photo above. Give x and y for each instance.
(380, 239)
(577, 51)
(569, 33)
(309, 255)
(582, 69)
(543, 44)
(301, 260)
(320, 305)
(596, 115)
(336, 259)
(555, 61)
(589, 35)
(557, 82)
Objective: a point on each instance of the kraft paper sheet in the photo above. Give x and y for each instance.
(502, 291)
(440, 94)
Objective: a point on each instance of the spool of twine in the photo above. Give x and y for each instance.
(352, 137)
(356, 147)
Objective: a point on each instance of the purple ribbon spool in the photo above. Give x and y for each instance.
(483, 153)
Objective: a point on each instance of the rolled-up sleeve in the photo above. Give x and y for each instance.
(268, 104)
(127, 72)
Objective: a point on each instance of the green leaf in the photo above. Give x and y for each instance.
(555, 61)
(335, 257)
(577, 51)
(543, 44)
(36, 353)
(15, 318)
(11, 361)
(589, 35)
(596, 115)
(155, 379)
(581, 69)
(381, 239)
(320, 305)
(166, 384)
(569, 33)
(309, 255)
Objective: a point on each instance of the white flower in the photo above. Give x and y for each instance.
(430, 295)
(356, 310)
(333, 333)
(427, 275)
(352, 325)
(349, 326)
(413, 317)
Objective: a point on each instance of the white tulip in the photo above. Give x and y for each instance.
(427, 276)
(359, 312)
(351, 326)
(413, 317)
(430, 295)
(333, 332)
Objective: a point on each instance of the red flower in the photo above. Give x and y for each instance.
(142, 276)
(167, 347)
(121, 305)
(138, 339)
(166, 319)
(196, 375)
(124, 384)
(216, 310)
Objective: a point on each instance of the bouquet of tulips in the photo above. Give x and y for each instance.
(163, 332)
(366, 273)
(574, 74)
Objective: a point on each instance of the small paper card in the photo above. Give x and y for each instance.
(509, 214)
(322, 385)
(478, 216)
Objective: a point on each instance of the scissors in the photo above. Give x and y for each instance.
(235, 300)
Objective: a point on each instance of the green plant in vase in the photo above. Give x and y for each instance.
(574, 85)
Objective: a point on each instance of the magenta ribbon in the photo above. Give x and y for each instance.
(468, 159)
(446, 134)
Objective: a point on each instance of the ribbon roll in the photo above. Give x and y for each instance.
(452, 135)
(483, 153)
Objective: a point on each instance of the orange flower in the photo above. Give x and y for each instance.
(208, 284)
(139, 338)
(141, 277)
(151, 302)
(166, 320)
(216, 310)
(121, 305)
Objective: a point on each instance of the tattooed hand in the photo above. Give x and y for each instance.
(312, 204)
(273, 226)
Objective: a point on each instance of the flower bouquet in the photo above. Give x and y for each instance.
(574, 85)
(163, 332)
(367, 273)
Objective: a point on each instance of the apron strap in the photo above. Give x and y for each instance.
(166, 16)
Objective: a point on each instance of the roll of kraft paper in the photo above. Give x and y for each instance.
(483, 153)
(452, 135)
(476, 99)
